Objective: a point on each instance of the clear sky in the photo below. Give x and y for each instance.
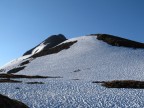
(25, 23)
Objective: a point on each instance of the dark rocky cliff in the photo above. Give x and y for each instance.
(49, 42)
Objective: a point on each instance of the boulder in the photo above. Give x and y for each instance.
(6, 102)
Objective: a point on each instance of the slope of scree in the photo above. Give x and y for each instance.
(118, 41)
(49, 42)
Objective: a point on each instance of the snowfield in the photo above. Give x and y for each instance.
(85, 61)
(59, 93)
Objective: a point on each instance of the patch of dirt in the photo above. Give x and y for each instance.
(25, 76)
(19, 76)
(9, 81)
(15, 70)
(17, 88)
(35, 82)
(78, 70)
(75, 79)
(118, 41)
(98, 81)
(124, 84)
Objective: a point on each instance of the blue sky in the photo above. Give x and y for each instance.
(25, 23)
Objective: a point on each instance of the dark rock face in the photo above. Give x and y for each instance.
(54, 49)
(50, 42)
(14, 76)
(6, 102)
(118, 41)
(24, 63)
(15, 70)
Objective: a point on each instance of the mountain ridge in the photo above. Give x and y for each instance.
(118, 41)
(54, 40)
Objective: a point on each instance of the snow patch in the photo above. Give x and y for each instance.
(39, 48)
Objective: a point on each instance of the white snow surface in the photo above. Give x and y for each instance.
(39, 48)
(16, 62)
(60, 93)
(87, 60)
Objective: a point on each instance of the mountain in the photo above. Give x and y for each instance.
(94, 57)
(92, 71)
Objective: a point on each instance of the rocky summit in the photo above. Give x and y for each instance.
(48, 43)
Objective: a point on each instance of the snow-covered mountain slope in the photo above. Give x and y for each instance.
(46, 44)
(88, 58)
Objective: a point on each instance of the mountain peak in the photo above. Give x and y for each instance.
(55, 39)
(50, 42)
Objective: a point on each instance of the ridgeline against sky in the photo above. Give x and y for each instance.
(25, 23)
